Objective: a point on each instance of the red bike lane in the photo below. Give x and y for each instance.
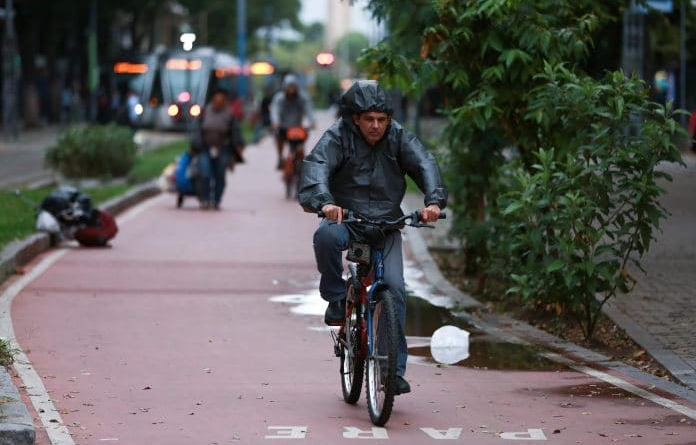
(171, 337)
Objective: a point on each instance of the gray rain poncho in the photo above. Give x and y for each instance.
(344, 170)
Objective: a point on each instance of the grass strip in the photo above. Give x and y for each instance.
(18, 218)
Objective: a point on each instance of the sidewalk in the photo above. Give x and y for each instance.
(660, 312)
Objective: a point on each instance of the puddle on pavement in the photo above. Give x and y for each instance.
(497, 356)
(425, 313)
(423, 318)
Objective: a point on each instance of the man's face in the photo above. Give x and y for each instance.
(372, 125)
(219, 101)
(291, 90)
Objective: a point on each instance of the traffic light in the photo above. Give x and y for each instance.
(325, 59)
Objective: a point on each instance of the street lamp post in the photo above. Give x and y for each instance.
(10, 74)
(92, 61)
(682, 60)
(241, 47)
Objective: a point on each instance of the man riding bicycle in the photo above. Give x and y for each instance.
(360, 164)
(288, 109)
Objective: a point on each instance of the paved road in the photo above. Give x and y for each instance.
(173, 337)
(22, 159)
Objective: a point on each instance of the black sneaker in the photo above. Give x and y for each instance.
(402, 386)
(335, 313)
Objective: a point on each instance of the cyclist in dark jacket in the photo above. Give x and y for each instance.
(290, 107)
(360, 164)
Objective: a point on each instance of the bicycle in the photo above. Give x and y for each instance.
(369, 334)
(292, 166)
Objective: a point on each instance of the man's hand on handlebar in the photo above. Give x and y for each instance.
(430, 213)
(333, 213)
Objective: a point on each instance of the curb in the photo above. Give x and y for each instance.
(20, 252)
(511, 330)
(16, 424)
(676, 366)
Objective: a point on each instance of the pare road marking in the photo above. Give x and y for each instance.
(351, 432)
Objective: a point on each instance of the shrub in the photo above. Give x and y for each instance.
(93, 151)
(6, 353)
(587, 210)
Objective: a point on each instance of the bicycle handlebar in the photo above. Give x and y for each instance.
(414, 219)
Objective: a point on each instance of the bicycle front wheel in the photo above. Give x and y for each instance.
(381, 363)
(352, 361)
(289, 175)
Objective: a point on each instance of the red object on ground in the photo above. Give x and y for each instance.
(100, 234)
(692, 124)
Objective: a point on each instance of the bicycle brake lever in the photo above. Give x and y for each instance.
(421, 225)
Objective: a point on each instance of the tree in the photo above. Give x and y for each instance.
(492, 59)
(349, 47)
(484, 56)
(222, 17)
(56, 31)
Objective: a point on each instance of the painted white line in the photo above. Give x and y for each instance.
(140, 208)
(57, 432)
(678, 407)
(50, 417)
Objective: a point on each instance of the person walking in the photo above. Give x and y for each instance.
(219, 139)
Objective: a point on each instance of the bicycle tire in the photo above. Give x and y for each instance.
(380, 378)
(289, 175)
(297, 174)
(352, 367)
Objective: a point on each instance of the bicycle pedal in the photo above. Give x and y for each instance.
(337, 345)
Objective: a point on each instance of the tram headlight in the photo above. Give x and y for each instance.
(195, 110)
(138, 109)
(173, 110)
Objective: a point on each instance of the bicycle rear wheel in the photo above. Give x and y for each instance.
(381, 364)
(352, 361)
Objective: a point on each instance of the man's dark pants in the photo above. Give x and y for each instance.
(330, 240)
(211, 173)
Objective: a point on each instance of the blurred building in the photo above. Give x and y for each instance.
(338, 23)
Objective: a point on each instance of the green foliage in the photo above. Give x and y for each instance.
(17, 218)
(327, 86)
(151, 163)
(93, 151)
(296, 56)
(221, 17)
(484, 56)
(349, 47)
(569, 228)
(6, 353)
